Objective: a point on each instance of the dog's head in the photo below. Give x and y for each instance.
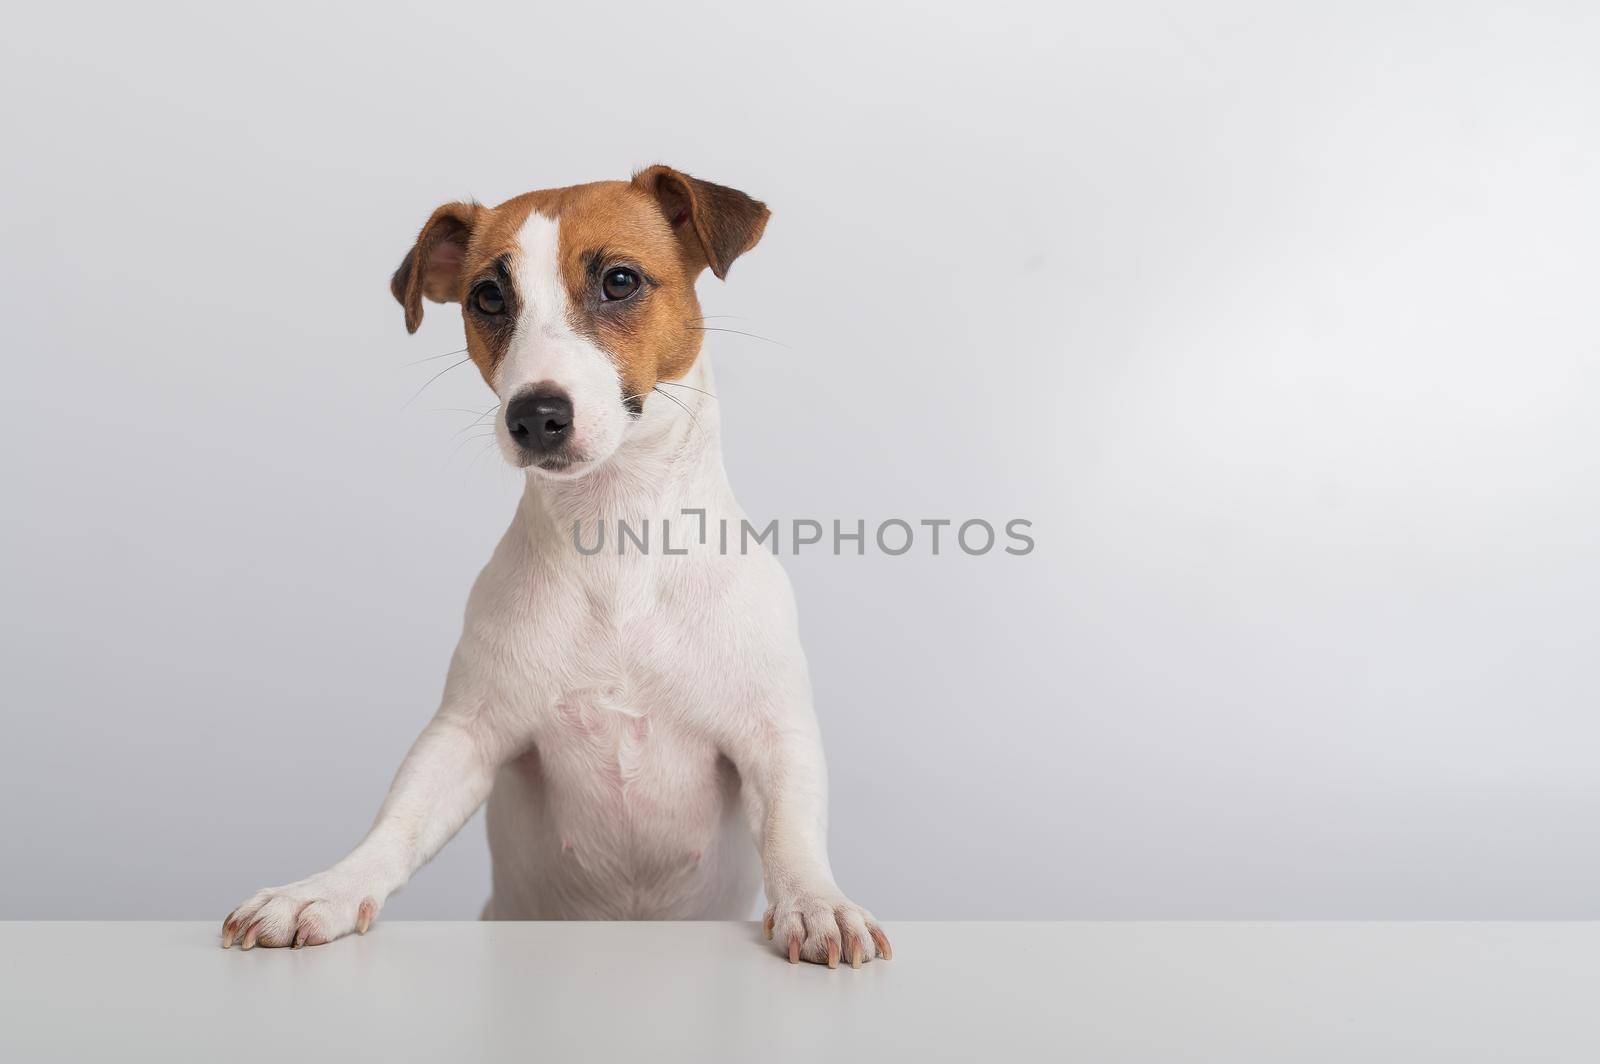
(578, 300)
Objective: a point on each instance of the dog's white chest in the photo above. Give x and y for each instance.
(598, 727)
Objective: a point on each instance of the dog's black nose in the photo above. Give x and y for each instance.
(540, 420)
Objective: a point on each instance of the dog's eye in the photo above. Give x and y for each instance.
(619, 283)
(488, 299)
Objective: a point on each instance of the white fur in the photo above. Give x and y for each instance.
(634, 720)
(545, 347)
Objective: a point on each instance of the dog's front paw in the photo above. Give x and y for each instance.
(822, 926)
(320, 909)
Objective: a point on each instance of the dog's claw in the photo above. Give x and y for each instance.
(824, 928)
(310, 912)
(881, 941)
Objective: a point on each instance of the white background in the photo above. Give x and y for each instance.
(1278, 321)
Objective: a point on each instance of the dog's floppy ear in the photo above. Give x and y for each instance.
(714, 223)
(432, 267)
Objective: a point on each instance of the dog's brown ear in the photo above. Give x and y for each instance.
(432, 267)
(714, 223)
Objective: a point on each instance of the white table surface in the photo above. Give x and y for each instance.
(1095, 992)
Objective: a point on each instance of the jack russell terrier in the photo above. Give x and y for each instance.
(632, 719)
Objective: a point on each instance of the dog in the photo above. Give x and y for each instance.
(635, 720)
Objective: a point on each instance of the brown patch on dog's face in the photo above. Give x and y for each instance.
(629, 288)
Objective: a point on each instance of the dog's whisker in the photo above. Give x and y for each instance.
(485, 449)
(433, 378)
(626, 399)
(708, 317)
(477, 419)
(489, 413)
(457, 449)
(476, 422)
(692, 388)
(675, 399)
(741, 332)
(433, 358)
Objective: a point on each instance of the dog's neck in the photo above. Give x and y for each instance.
(671, 460)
